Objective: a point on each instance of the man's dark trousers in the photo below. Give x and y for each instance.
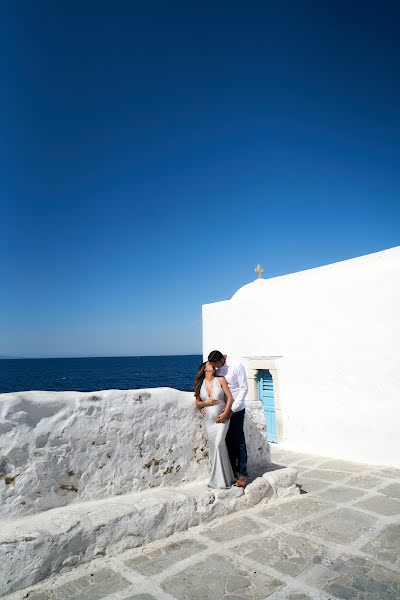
(236, 443)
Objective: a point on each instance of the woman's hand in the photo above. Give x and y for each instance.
(223, 417)
(210, 402)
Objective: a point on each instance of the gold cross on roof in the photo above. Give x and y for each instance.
(259, 270)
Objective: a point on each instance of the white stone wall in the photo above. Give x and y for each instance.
(58, 448)
(336, 330)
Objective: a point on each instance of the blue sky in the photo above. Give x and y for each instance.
(152, 155)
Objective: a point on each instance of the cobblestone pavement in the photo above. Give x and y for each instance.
(339, 539)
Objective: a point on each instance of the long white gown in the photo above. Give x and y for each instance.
(221, 470)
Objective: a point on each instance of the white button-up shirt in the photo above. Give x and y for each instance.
(236, 378)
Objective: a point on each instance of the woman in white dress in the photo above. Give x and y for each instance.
(212, 394)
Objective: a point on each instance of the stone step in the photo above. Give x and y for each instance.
(37, 546)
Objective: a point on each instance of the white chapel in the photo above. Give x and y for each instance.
(322, 351)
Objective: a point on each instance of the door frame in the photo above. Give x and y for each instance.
(267, 363)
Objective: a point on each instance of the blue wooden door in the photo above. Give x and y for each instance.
(266, 396)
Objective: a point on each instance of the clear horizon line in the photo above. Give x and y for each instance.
(96, 356)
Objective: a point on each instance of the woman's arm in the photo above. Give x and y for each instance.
(203, 403)
(229, 401)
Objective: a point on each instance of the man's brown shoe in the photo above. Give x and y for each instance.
(241, 481)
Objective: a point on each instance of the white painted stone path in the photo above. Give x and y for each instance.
(339, 539)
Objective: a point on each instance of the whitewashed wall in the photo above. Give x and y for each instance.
(58, 448)
(337, 332)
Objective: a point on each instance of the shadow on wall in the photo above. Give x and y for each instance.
(258, 450)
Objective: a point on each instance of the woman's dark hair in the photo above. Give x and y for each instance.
(199, 379)
(215, 356)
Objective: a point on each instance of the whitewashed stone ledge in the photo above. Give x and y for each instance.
(88, 474)
(60, 448)
(36, 546)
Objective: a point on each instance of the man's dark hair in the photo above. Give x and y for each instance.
(215, 356)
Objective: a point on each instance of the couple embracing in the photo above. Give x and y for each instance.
(220, 391)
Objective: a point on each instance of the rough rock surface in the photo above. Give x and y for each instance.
(58, 448)
(35, 546)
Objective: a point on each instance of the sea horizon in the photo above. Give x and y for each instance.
(5, 357)
(93, 373)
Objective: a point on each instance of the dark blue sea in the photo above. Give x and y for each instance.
(90, 374)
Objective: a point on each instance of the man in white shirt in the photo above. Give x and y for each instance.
(235, 375)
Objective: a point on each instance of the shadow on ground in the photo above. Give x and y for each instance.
(259, 470)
